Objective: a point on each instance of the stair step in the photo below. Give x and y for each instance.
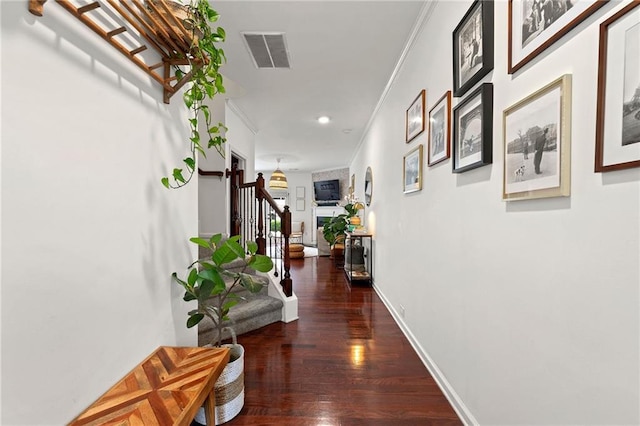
(254, 313)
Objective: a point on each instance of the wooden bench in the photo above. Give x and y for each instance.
(167, 388)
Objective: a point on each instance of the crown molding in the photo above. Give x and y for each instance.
(243, 117)
(421, 21)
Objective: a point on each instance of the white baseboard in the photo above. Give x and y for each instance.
(290, 307)
(444, 385)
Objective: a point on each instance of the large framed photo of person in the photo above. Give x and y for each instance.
(534, 25)
(537, 144)
(473, 47)
(473, 130)
(618, 112)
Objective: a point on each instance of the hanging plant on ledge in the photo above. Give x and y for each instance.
(204, 60)
(183, 37)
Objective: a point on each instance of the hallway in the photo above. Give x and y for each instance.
(344, 362)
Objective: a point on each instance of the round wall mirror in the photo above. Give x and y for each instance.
(368, 186)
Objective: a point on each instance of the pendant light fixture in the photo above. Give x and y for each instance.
(278, 179)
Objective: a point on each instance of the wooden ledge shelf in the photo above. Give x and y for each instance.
(155, 25)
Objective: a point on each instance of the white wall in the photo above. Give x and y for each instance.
(527, 311)
(90, 236)
(242, 141)
(213, 194)
(213, 201)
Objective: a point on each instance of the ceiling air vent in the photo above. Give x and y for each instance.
(268, 50)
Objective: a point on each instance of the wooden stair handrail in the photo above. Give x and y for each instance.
(263, 199)
(212, 173)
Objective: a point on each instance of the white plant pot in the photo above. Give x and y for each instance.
(229, 388)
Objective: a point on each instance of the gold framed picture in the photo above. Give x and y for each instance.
(412, 170)
(414, 119)
(537, 144)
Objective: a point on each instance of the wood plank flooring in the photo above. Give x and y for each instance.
(344, 362)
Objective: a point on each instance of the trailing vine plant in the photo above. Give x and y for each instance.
(204, 59)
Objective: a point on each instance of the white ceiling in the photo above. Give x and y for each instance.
(342, 56)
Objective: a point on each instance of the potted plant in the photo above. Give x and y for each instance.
(205, 81)
(335, 228)
(211, 281)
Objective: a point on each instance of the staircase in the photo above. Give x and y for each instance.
(255, 311)
(256, 217)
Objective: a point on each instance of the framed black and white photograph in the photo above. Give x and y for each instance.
(534, 25)
(472, 130)
(412, 170)
(618, 111)
(537, 144)
(414, 120)
(440, 130)
(473, 47)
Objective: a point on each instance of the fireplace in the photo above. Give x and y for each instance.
(320, 213)
(320, 220)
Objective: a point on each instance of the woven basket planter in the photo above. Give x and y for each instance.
(229, 388)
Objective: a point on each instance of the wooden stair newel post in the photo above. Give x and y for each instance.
(286, 230)
(260, 240)
(235, 208)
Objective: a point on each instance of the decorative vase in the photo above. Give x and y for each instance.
(229, 388)
(355, 220)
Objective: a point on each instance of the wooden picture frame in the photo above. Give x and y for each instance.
(537, 144)
(412, 170)
(618, 107)
(473, 46)
(534, 25)
(473, 130)
(439, 147)
(414, 119)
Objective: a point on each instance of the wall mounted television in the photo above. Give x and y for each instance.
(327, 190)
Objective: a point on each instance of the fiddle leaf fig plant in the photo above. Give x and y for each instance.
(334, 228)
(205, 59)
(210, 281)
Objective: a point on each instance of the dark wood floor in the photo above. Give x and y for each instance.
(344, 362)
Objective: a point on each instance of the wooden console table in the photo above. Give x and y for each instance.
(167, 388)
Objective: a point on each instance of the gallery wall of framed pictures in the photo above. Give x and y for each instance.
(460, 125)
(482, 225)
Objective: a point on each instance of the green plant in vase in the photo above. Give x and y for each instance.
(211, 282)
(335, 228)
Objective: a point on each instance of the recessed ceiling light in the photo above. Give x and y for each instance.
(324, 119)
(346, 131)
